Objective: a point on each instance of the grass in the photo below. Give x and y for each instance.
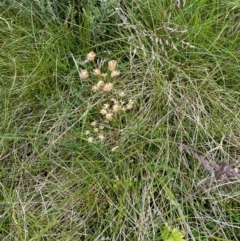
(179, 62)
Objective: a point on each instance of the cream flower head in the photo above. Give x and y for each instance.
(97, 72)
(108, 87)
(83, 74)
(112, 65)
(95, 88)
(130, 104)
(90, 140)
(115, 73)
(91, 56)
(103, 111)
(94, 123)
(98, 86)
(106, 106)
(122, 94)
(101, 137)
(116, 108)
(109, 116)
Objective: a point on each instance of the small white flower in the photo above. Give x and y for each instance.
(101, 137)
(122, 94)
(103, 111)
(109, 116)
(108, 87)
(83, 74)
(91, 56)
(95, 88)
(129, 104)
(87, 132)
(95, 129)
(116, 108)
(114, 100)
(129, 107)
(90, 140)
(97, 72)
(112, 65)
(106, 106)
(100, 83)
(94, 123)
(115, 73)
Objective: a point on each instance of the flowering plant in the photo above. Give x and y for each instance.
(111, 104)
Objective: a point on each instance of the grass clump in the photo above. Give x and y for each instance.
(130, 133)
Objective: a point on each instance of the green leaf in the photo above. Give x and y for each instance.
(174, 235)
(165, 233)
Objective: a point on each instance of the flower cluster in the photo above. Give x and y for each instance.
(115, 106)
(106, 87)
(98, 130)
(111, 103)
(83, 74)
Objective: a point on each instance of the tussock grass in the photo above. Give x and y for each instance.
(179, 60)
